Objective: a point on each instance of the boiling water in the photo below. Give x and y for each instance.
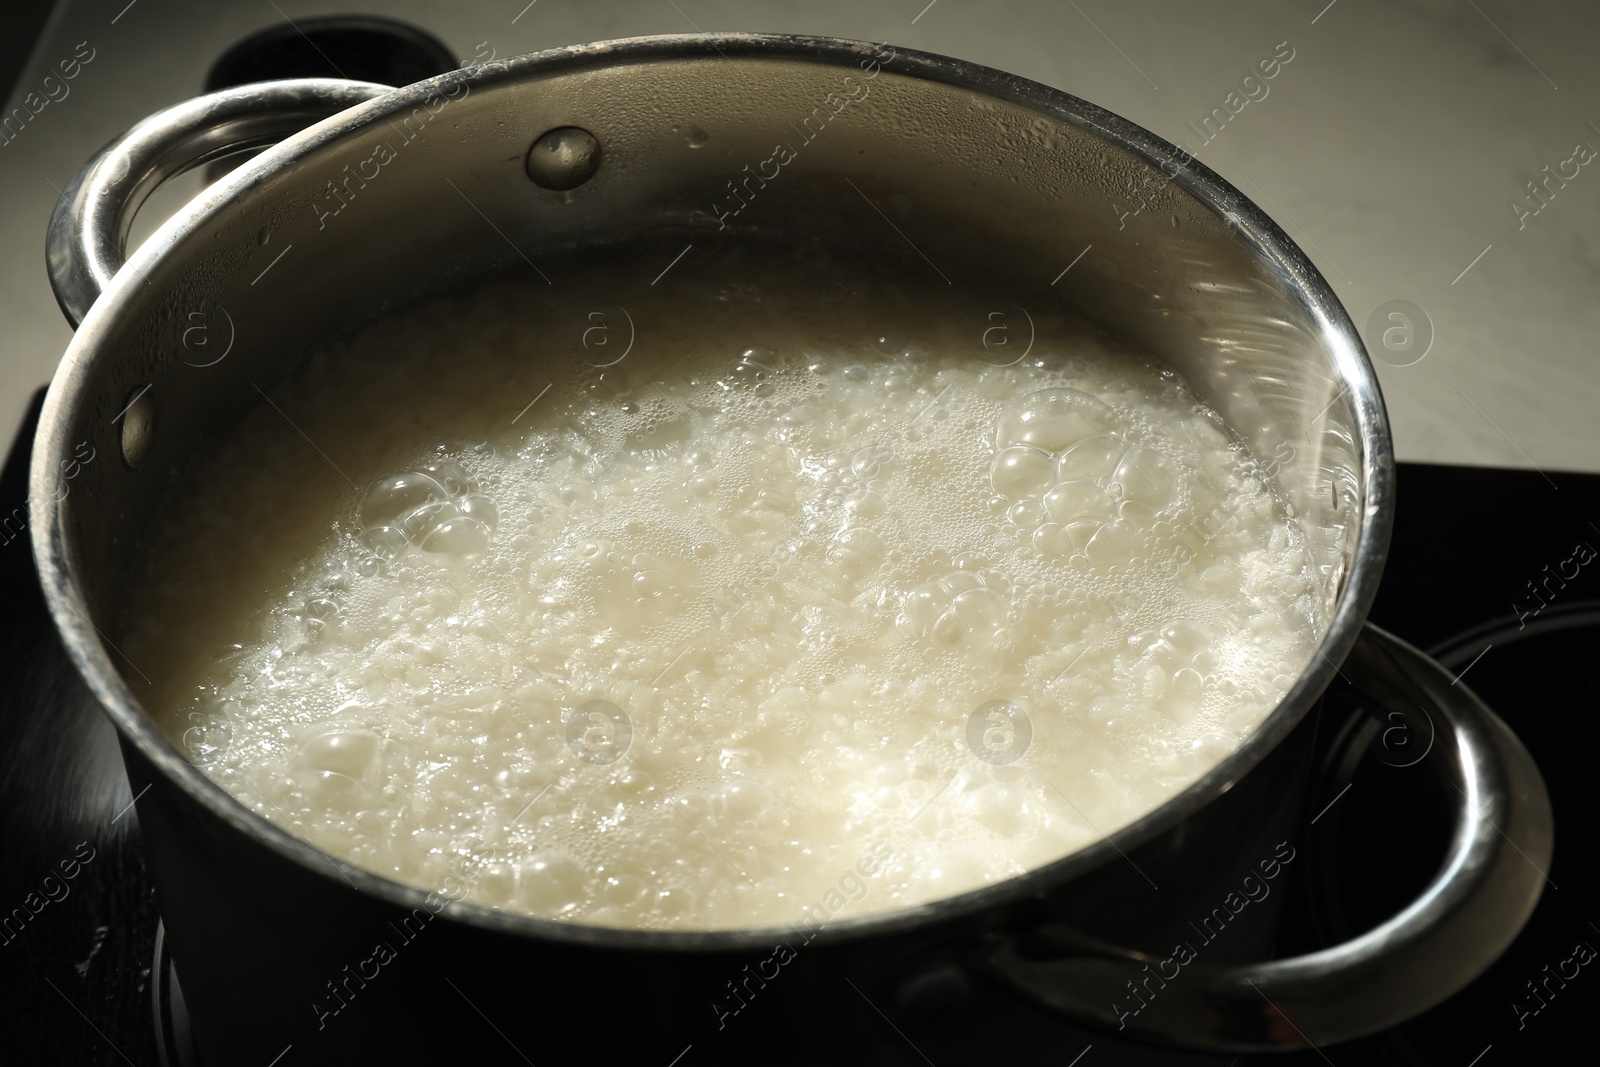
(764, 595)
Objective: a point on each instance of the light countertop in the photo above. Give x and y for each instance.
(1392, 146)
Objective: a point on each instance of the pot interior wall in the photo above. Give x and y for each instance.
(924, 176)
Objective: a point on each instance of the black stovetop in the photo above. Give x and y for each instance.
(80, 985)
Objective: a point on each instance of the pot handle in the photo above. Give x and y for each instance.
(1468, 915)
(88, 236)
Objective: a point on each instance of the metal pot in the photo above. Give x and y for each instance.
(395, 192)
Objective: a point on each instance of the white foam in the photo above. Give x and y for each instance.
(781, 555)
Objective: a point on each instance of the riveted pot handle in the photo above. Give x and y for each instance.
(88, 236)
(1468, 915)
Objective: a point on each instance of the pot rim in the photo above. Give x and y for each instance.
(1336, 333)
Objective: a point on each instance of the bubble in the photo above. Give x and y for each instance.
(481, 508)
(865, 504)
(352, 753)
(611, 383)
(450, 477)
(651, 583)
(461, 540)
(552, 883)
(874, 461)
(495, 885)
(959, 608)
(208, 736)
(1053, 419)
(754, 366)
(393, 498)
(1079, 500)
(1091, 460)
(1148, 477)
(1052, 539)
(428, 518)
(1136, 514)
(623, 890)
(437, 509)
(856, 551)
(1111, 545)
(980, 611)
(960, 582)
(384, 542)
(1027, 513)
(1188, 683)
(923, 606)
(575, 493)
(331, 791)
(1022, 471)
(674, 902)
(1188, 640)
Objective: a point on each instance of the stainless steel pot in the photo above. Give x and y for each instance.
(395, 192)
